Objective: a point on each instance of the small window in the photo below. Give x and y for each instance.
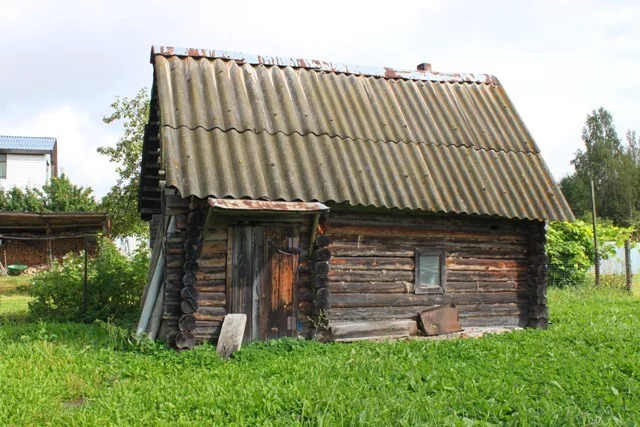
(429, 272)
(3, 166)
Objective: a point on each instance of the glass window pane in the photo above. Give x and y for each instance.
(3, 165)
(430, 270)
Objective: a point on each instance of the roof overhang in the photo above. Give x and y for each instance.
(18, 151)
(16, 225)
(267, 206)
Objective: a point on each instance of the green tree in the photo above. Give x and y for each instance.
(59, 195)
(18, 200)
(122, 200)
(610, 165)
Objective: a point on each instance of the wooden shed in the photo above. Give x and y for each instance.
(337, 201)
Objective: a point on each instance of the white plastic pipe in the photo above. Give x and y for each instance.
(154, 285)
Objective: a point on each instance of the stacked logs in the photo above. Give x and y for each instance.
(537, 277)
(185, 339)
(321, 258)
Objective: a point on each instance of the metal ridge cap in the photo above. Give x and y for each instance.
(319, 65)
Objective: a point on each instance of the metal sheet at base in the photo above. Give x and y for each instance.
(440, 320)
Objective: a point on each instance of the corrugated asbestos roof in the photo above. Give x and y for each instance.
(237, 128)
(218, 94)
(27, 143)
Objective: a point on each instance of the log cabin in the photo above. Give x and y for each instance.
(337, 202)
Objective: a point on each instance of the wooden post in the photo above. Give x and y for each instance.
(595, 235)
(85, 287)
(627, 264)
(48, 234)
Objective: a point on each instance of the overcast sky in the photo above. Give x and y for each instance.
(63, 62)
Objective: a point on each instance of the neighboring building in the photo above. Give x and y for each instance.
(27, 162)
(334, 200)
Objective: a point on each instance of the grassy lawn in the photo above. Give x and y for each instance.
(10, 284)
(584, 370)
(13, 303)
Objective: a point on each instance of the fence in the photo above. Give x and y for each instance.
(613, 269)
(616, 264)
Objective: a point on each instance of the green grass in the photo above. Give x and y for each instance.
(584, 370)
(14, 307)
(13, 301)
(11, 284)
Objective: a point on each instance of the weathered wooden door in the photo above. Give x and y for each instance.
(265, 264)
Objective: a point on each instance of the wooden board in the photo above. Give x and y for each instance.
(278, 288)
(231, 335)
(241, 288)
(375, 329)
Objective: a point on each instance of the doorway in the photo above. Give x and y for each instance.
(264, 271)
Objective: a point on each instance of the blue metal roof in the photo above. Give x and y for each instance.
(27, 143)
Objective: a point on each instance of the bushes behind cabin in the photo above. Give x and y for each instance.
(571, 251)
(115, 283)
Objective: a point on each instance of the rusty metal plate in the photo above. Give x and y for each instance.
(263, 205)
(440, 320)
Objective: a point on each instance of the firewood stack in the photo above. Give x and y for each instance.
(36, 252)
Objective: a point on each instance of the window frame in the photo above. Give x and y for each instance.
(6, 161)
(424, 289)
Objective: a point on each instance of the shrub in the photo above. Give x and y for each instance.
(570, 249)
(115, 284)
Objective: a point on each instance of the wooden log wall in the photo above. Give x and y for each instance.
(305, 279)
(175, 258)
(362, 269)
(153, 229)
(494, 268)
(202, 298)
(319, 262)
(537, 277)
